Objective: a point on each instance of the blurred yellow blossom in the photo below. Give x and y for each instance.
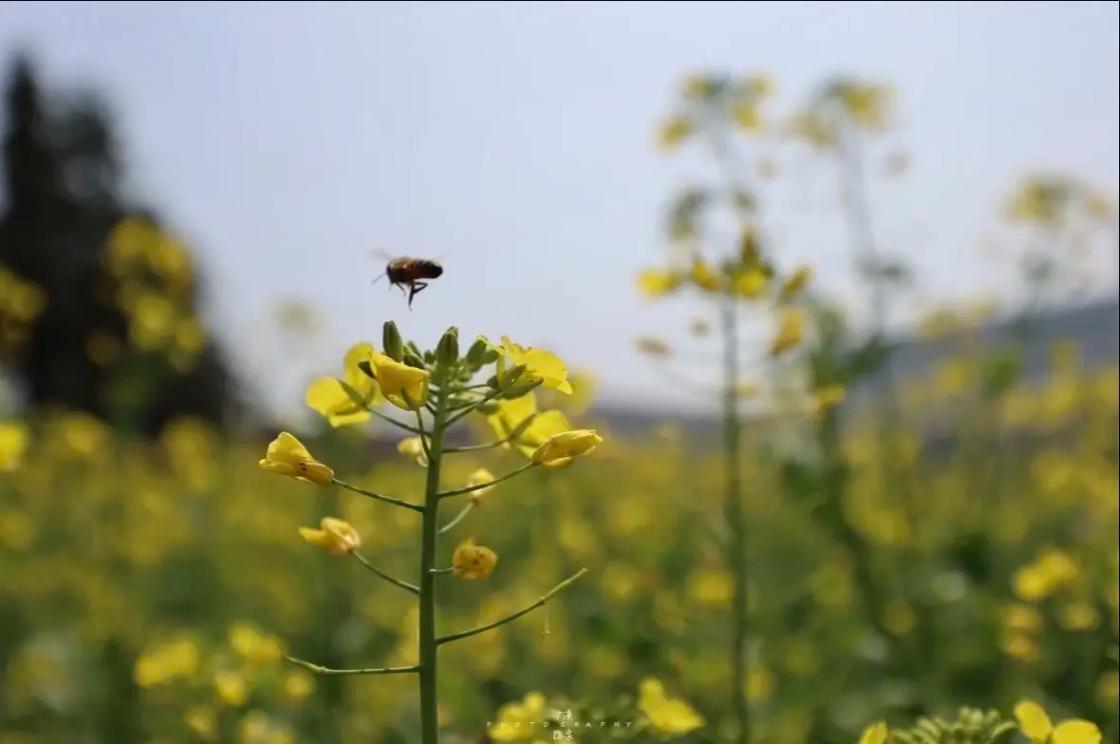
(298, 685)
(335, 535)
(658, 282)
(202, 721)
(704, 276)
(254, 646)
(472, 561)
(796, 282)
(231, 688)
(413, 449)
(668, 715)
(520, 721)
(791, 329)
(13, 444)
(1049, 572)
(177, 658)
(286, 455)
(673, 131)
(477, 478)
(876, 733)
(751, 283)
(828, 397)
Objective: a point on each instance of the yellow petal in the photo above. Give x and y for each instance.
(876, 733)
(1076, 731)
(1033, 721)
(327, 397)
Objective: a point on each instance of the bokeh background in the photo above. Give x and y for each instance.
(198, 197)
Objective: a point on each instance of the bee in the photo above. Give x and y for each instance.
(412, 273)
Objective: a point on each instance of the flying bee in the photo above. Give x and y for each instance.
(412, 273)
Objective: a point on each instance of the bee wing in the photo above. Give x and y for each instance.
(380, 254)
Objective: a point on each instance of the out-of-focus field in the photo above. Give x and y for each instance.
(149, 590)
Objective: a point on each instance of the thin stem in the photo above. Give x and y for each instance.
(458, 518)
(423, 437)
(378, 496)
(477, 447)
(510, 618)
(378, 572)
(394, 422)
(487, 484)
(429, 647)
(733, 508)
(472, 406)
(449, 569)
(325, 670)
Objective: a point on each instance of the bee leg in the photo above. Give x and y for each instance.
(414, 290)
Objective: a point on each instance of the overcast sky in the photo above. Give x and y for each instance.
(285, 142)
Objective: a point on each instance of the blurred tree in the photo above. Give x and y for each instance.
(68, 324)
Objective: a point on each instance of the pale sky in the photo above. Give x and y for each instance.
(514, 142)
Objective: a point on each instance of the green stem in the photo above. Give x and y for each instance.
(429, 693)
(378, 496)
(326, 670)
(510, 618)
(458, 518)
(378, 572)
(487, 484)
(467, 409)
(733, 508)
(477, 447)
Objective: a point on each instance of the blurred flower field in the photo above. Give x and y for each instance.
(151, 590)
(858, 558)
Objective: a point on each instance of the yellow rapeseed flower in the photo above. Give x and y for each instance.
(752, 283)
(704, 276)
(796, 282)
(477, 478)
(329, 398)
(1052, 570)
(562, 448)
(472, 561)
(177, 658)
(658, 282)
(673, 131)
(520, 721)
(335, 535)
(231, 688)
(254, 646)
(404, 386)
(1036, 726)
(791, 329)
(668, 715)
(413, 449)
(286, 455)
(13, 445)
(510, 414)
(540, 365)
(828, 397)
(876, 733)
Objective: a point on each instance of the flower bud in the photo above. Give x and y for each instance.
(391, 341)
(477, 353)
(447, 352)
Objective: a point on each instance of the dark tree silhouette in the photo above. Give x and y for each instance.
(62, 197)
